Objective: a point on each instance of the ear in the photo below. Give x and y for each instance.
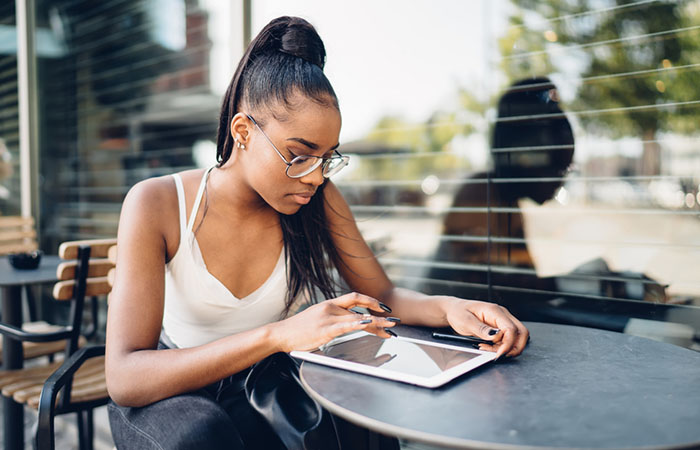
(240, 128)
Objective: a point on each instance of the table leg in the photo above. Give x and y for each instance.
(13, 412)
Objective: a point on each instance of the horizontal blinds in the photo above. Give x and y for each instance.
(621, 221)
(9, 114)
(127, 98)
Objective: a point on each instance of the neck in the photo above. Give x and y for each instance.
(231, 196)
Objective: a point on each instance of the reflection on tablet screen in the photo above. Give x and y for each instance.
(398, 355)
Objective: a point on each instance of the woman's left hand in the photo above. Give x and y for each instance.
(488, 321)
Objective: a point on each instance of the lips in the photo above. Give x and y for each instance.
(302, 197)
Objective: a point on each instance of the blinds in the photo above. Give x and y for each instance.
(9, 113)
(587, 211)
(128, 97)
(563, 183)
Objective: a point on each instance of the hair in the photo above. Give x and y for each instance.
(529, 115)
(284, 60)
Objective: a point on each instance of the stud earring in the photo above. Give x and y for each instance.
(241, 146)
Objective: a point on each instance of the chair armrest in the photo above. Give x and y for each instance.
(57, 381)
(19, 334)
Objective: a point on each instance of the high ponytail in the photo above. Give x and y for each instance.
(287, 58)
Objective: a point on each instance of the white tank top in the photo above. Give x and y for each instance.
(198, 307)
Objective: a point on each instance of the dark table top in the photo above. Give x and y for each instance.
(572, 387)
(45, 273)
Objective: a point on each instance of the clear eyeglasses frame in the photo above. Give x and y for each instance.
(303, 165)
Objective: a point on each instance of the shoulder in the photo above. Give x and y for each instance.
(151, 194)
(158, 193)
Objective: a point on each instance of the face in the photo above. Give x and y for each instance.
(309, 129)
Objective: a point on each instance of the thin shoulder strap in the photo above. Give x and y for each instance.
(198, 199)
(181, 202)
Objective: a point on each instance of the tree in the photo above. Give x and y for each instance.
(640, 74)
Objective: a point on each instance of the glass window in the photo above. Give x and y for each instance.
(540, 154)
(9, 113)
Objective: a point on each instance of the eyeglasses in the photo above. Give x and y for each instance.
(305, 164)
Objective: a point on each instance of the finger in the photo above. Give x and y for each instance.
(514, 336)
(353, 299)
(476, 327)
(510, 336)
(348, 323)
(521, 342)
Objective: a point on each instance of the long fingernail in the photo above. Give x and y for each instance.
(384, 307)
(393, 319)
(390, 333)
(493, 331)
(365, 321)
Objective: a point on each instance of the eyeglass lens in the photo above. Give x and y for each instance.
(301, 166)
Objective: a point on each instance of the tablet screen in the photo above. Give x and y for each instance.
(398, 355)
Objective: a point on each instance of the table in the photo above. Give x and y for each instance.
(572, 387)
(12, 281)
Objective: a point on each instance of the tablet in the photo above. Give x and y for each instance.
(423, 363)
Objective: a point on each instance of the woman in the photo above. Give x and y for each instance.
(241, 244)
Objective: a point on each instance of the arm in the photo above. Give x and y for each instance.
(137, 373)
(363, 273)
(136, 313)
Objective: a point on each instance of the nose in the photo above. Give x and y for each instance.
(315, 177)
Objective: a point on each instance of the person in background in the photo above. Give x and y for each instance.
(532, 150)
(213, 264)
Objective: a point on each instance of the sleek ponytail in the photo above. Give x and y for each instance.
(284, 59)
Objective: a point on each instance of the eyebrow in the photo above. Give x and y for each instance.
(311, 145)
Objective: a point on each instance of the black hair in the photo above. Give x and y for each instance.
(285, 59)
(529, 116)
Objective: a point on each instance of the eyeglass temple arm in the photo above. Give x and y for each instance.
(268, 140)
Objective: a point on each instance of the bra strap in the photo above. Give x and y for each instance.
(181, 203)
(198, 199)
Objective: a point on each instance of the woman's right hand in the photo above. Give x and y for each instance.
(318, 324)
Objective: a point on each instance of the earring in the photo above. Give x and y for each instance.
(241, 146)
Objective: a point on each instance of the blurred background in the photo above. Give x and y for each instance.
(541, 154)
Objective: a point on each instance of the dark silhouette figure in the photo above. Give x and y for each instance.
(483, 241)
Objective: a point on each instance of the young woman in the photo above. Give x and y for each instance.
(241, 245)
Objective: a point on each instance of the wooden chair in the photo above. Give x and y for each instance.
(17, 234)
(85, 273)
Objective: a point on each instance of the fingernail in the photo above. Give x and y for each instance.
(493, 331)
(393, 319)
(384, 307)
(365, 321)
(390, 333)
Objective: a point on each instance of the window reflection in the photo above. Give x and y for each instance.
(608, 234)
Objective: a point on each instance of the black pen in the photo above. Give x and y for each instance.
(460, 338)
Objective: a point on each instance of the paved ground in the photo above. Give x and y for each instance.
(67, 433)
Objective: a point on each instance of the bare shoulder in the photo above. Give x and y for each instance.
(151, 211)
(151, 199)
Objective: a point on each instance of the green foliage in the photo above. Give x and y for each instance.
(635, 57)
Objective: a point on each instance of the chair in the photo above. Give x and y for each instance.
(17, 234)
(86, 361)
(84, 388)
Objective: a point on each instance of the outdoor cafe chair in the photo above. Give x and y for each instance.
(84, 273)
(18, 235)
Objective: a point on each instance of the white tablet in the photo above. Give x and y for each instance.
(413, 361)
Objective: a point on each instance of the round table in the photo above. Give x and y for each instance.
(572, 387)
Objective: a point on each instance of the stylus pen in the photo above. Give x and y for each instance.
(460, 338)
